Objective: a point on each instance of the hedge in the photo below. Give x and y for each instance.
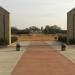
(62, 39)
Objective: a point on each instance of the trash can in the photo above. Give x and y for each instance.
(63, 47)
(17, 47)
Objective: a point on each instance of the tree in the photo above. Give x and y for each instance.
(34, 29)
(41, 28)
(55, 29)
(14, 30)
(51, 29)
(24, 31)
(47, 29)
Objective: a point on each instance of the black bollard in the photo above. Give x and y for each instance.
(63, 47)
(17, 47)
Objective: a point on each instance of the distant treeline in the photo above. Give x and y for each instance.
(33, 29)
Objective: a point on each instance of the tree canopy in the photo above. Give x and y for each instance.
(47, 30)
(52, 29)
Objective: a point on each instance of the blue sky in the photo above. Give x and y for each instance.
(25, 13)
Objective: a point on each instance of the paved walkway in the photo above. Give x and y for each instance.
(68, 53)
(9, 57)
(43, 60)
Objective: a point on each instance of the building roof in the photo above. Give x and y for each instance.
(2, 10)
(72, 11)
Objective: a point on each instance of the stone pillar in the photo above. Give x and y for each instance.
(5, 29)
(71, 25)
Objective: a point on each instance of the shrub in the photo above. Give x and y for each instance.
(55, 38)
(3, 41)
(62, 39)
(14, 39)
(72, 41)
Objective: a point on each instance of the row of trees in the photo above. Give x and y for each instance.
(51, 29)
(33, 29)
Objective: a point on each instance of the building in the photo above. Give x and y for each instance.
(5, 30)
(71, 25)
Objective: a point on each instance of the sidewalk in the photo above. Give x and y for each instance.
(68, 53)
(43, 60)
(55, 45)
(9, 58)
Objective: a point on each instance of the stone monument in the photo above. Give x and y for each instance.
(5, 30)
(71, 25)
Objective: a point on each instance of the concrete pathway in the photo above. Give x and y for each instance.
(9, 57)
(43, 60)
(54, 44)
(69, 53)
